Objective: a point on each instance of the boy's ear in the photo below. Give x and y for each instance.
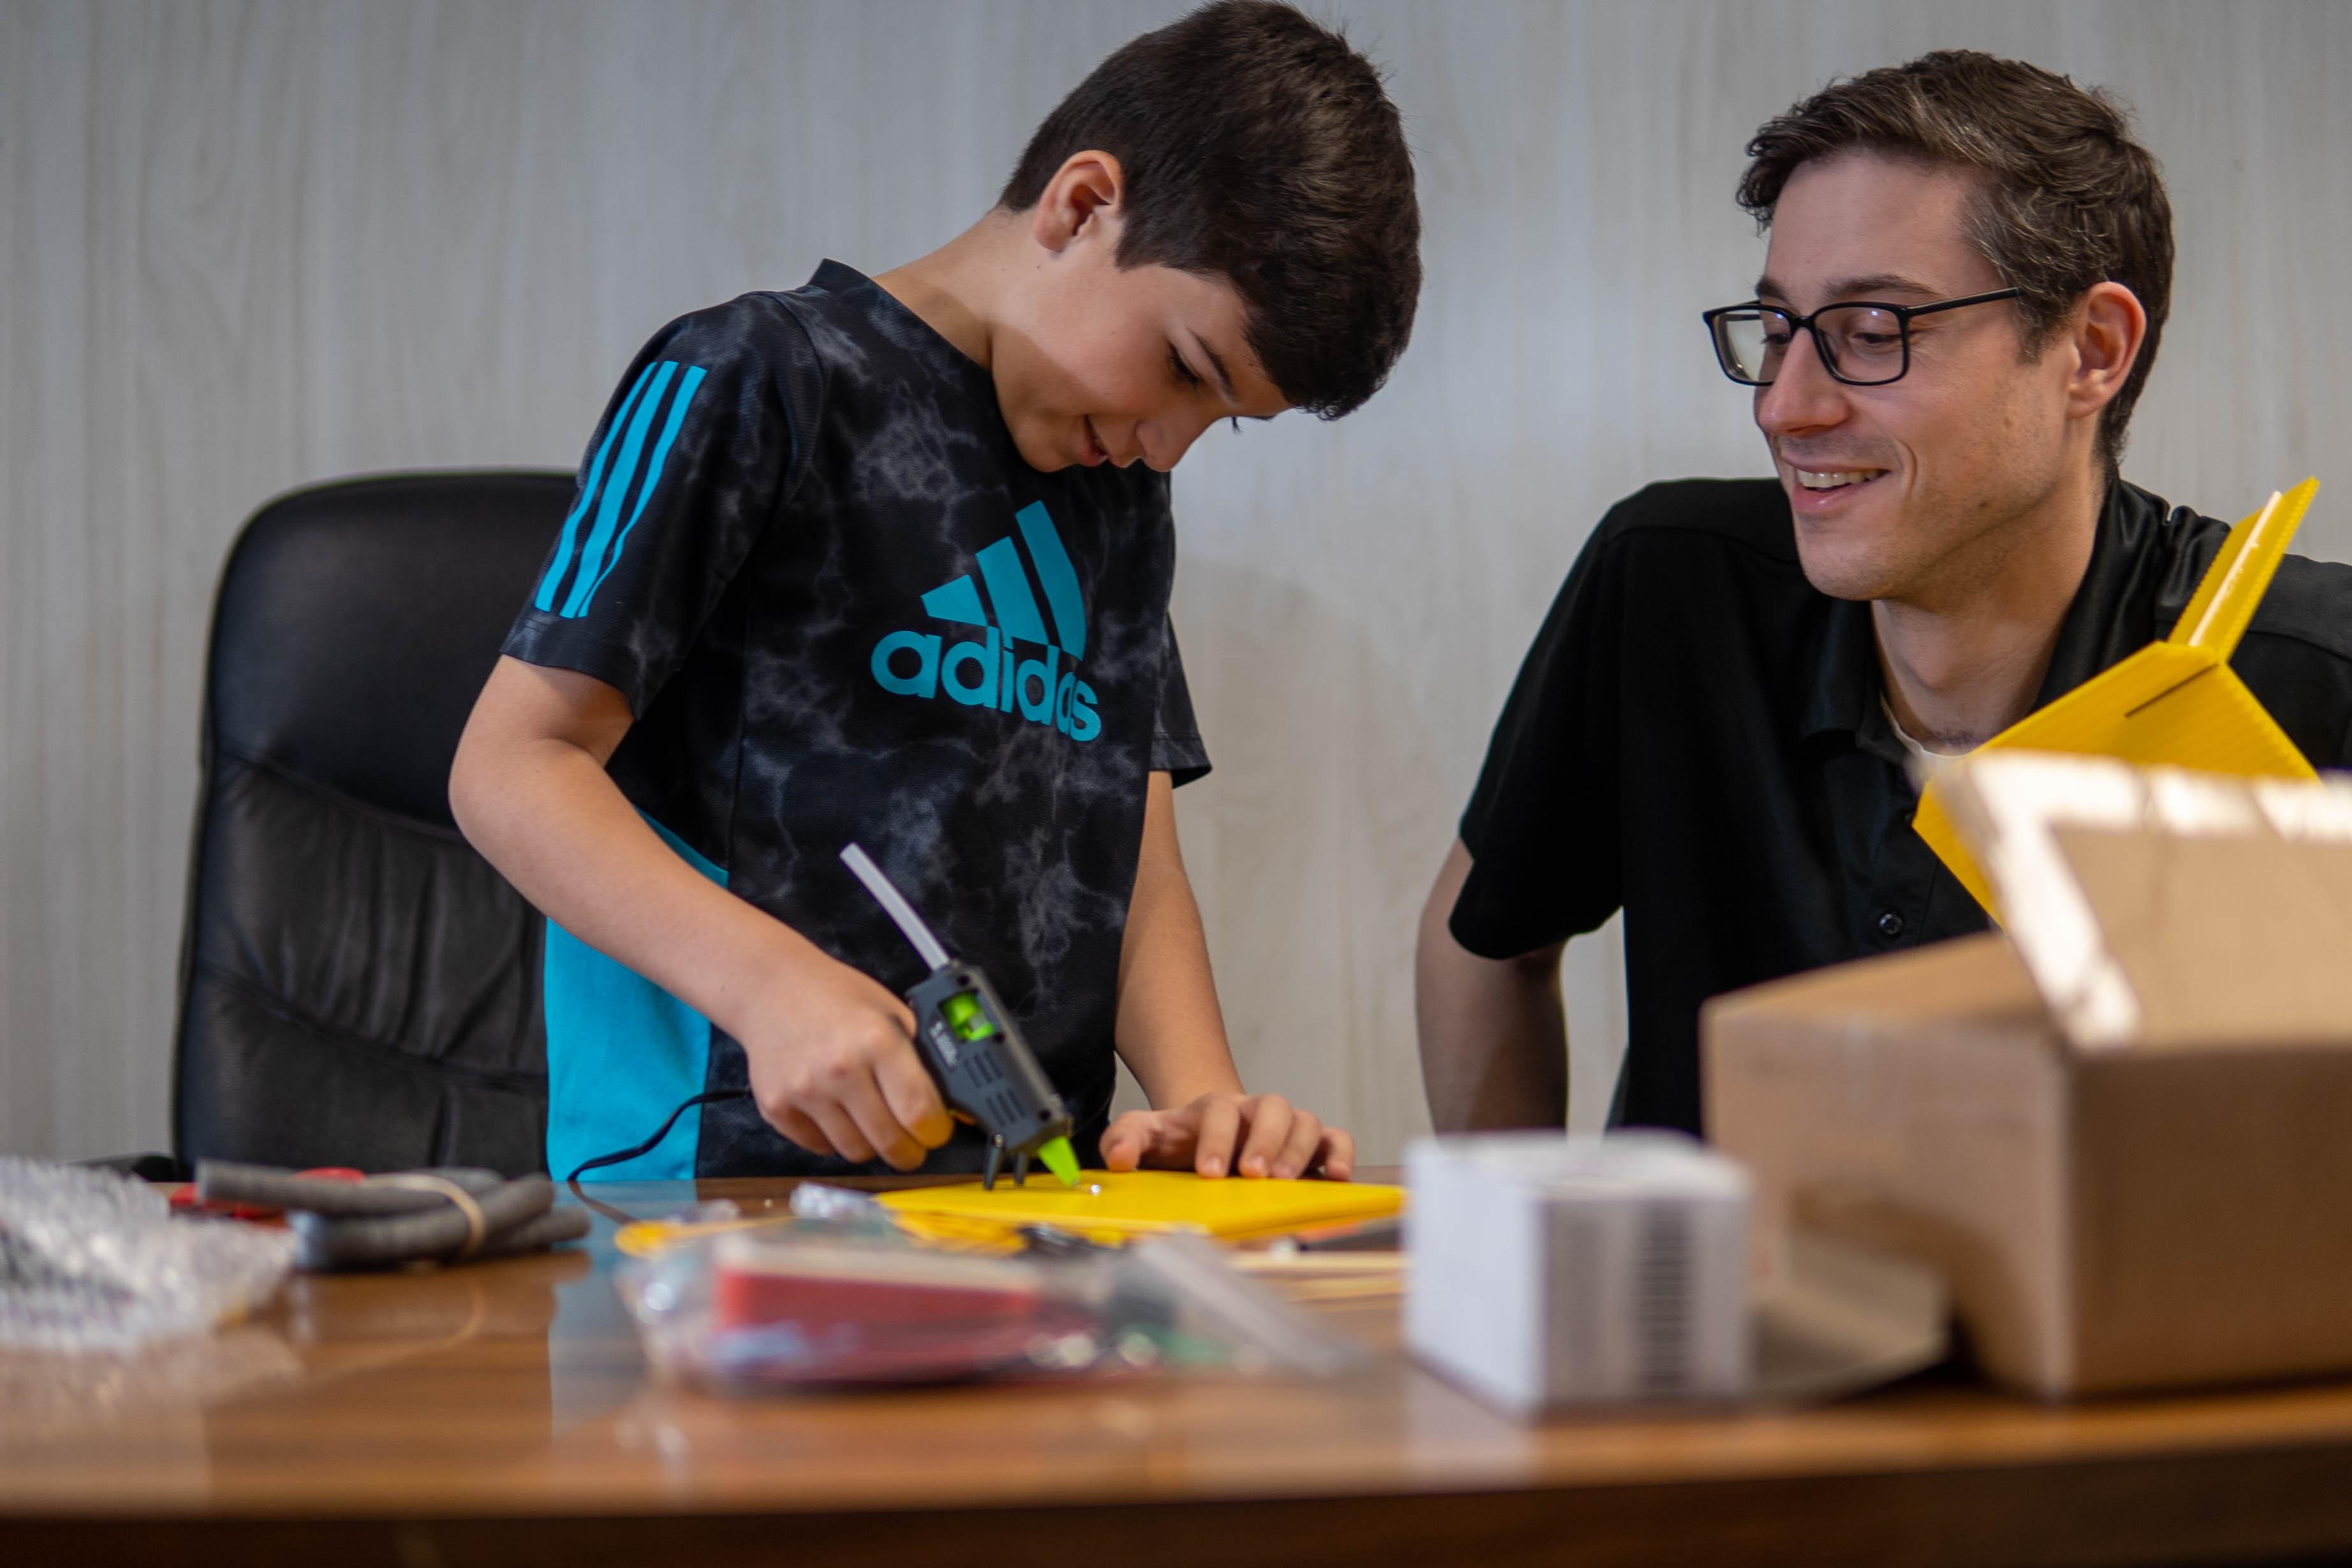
(1082, 198)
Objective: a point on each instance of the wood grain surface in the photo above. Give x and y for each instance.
(250, 244)
(502, 1412)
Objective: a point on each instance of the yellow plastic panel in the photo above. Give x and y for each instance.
(1113, 1204)
(2176, 702)
(2218, 614)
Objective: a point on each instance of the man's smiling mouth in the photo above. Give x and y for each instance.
(1833, 478)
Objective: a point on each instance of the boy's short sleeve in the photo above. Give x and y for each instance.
(1176, 748)
(1542, 825)
(686, 470)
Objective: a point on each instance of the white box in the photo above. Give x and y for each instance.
(1545, 1270)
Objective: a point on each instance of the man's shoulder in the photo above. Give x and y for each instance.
(1748, 516)
(2309, 601)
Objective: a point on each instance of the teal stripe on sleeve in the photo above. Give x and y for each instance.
(688, 385)
(545, 598)
(624, 473)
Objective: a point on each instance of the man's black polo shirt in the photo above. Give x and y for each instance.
(1696, 738)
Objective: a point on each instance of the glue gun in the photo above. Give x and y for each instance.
(986, 1071)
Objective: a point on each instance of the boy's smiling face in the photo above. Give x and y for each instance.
(1094, 362)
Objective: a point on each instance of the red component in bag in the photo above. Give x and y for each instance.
(752, 1286)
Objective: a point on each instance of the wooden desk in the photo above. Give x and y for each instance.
(501, 1413)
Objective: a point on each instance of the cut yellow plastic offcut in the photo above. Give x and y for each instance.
(2176, 702)
(1117, 1205)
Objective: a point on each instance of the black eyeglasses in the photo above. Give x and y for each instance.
(1862, 342)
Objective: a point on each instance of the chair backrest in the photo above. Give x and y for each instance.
(358, 986)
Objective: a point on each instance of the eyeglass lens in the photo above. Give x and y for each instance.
(1863, 343)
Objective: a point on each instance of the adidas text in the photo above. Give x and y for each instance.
(988, 674)
(991, 673)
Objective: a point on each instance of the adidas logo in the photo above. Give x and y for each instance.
(989, 671)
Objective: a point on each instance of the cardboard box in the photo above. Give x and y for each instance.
(2105, 1220)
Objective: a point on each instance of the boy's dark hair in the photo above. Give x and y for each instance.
(1259, 148)
(2068, 198)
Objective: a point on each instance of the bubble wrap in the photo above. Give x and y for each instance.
(91, 1261)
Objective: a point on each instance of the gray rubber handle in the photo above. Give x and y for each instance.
(267, 1187)
(329, 1243)
(537, 1233)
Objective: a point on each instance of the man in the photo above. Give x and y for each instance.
(1969, 272)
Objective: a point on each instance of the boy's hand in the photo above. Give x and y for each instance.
(833, 1067)
(1275, 1138)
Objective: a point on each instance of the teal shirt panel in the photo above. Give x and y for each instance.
(621, 1053)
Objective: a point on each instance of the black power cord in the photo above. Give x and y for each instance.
(688, 1104)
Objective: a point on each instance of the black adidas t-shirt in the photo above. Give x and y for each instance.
(842, 608)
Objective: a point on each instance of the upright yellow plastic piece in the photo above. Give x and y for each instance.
(2175, 702)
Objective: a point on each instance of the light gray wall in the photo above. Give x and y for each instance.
(245, 247)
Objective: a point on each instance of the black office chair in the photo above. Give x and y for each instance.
(358, 986)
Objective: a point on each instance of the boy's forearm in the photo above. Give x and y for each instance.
(1494, 1033)
(544, 811)
(1171, 1033)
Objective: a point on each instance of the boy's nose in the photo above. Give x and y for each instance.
(1165, 441)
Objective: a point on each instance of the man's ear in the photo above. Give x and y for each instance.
(2110, 324)
(1082, 198)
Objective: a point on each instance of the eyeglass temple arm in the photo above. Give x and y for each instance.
(1910, 310)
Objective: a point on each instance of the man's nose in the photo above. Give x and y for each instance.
(1803, 394)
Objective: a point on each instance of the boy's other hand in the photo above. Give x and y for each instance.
(833, 1067)
(1275, 1138)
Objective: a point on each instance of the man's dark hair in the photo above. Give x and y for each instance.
(1259, 148)
(2067, 198)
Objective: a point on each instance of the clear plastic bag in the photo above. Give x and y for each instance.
(91, 1260)
(844, 1302)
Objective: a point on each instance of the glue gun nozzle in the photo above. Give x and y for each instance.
(1061, 1159)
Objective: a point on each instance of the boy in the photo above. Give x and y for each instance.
(888, 562)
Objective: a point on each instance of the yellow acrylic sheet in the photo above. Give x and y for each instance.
(2176, 702)
(1114, 1205)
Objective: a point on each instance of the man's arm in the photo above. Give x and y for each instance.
(831, 1052)
(1494, 1033)
(1171, 1035)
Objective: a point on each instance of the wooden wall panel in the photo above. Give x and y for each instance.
(251, 245)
